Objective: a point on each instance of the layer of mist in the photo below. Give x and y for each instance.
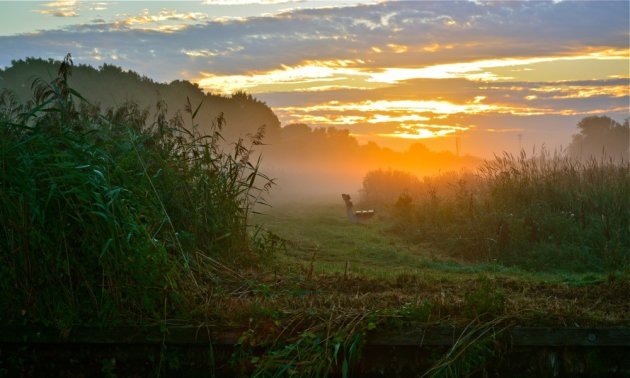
(307, 163)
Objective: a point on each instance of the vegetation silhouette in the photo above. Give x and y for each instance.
(110, 86)
(601, 137)
(303, 158)
(547, 212)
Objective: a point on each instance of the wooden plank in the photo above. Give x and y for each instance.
(442, 336)
(434, 336)
(121, 335)
(522, 336)
(518, 336)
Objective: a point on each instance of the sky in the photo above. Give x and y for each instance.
(487, 76)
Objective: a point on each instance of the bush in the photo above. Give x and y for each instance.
(386, 186)
(541, 213)
(104, 217)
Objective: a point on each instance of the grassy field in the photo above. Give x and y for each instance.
(320, 235)
(369, 266)
(357, 278)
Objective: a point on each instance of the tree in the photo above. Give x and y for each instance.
(601, 137)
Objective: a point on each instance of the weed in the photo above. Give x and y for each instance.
(477, 347)
(485, 300)
(417, 312)
(108, 216)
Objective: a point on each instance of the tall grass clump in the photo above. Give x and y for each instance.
(546, 212)
(109, 216)
(385, 186)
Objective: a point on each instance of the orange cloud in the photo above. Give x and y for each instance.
(584, 91)
(349, 73)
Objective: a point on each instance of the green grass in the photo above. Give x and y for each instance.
(320, 233)
(394, 283)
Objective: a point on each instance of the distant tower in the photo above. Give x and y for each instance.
(520, 142)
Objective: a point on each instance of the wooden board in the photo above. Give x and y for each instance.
(434, 336)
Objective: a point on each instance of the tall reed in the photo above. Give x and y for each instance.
(110, 216)
(541, 212)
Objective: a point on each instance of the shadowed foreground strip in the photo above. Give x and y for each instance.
(523, 351)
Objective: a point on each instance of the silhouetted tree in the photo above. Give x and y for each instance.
(110, 86)
(601, 136)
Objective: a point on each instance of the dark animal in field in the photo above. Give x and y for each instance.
(358, 215)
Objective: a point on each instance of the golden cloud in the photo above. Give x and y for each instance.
(413, 113)
(166, 21)
(307, 75)
(354, 73)
(584, 91)
(67, 8)
(206, 53)
(404, 106)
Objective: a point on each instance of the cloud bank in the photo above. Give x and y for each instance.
(389, 69)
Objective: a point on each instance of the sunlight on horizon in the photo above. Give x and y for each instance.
(410, 116)
(383, 70)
